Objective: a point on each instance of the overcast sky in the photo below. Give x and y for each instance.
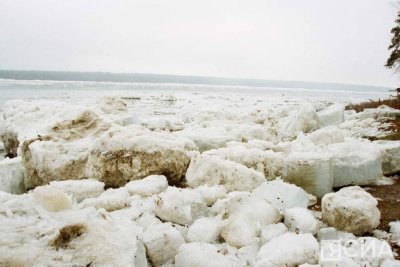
(310, 40)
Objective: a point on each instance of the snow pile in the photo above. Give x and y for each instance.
(267, 162)
(210, 170)
(12, 175)
(131, 153)
(189, 186)
(332, 115)
(351, 209)
(69, 237)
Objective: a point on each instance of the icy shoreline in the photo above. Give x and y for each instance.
(190, 180)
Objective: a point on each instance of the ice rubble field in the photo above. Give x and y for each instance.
(191, 179)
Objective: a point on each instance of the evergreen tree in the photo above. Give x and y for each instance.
(394, 58)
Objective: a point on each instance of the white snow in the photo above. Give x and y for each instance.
(230, 157)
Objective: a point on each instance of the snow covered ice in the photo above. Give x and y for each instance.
(189, 178)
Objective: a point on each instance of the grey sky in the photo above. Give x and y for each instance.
(311, 40)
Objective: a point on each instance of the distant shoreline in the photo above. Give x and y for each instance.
(178, 79)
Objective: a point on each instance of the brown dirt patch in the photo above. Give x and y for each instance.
(67, 233)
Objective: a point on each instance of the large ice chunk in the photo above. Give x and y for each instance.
(311, 171)
(202, 255)
(80, 189)
(289, 250)
(205, 229)
(355, 163)
(271, 231)
(283, 195)
(390, 155)
(125, 154)
(110, 200)
(332, 115)
(51, 198)
(47, 161)
(303, 119)
(61, 154)
(181, 206)
(12, 175)
(211, 194)
(162, 242)
(148, 186)
(267, 162)
(300, 220)
(351, 209)
(245, 216)
(207, 138)
(209, 170)
(328, 135)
